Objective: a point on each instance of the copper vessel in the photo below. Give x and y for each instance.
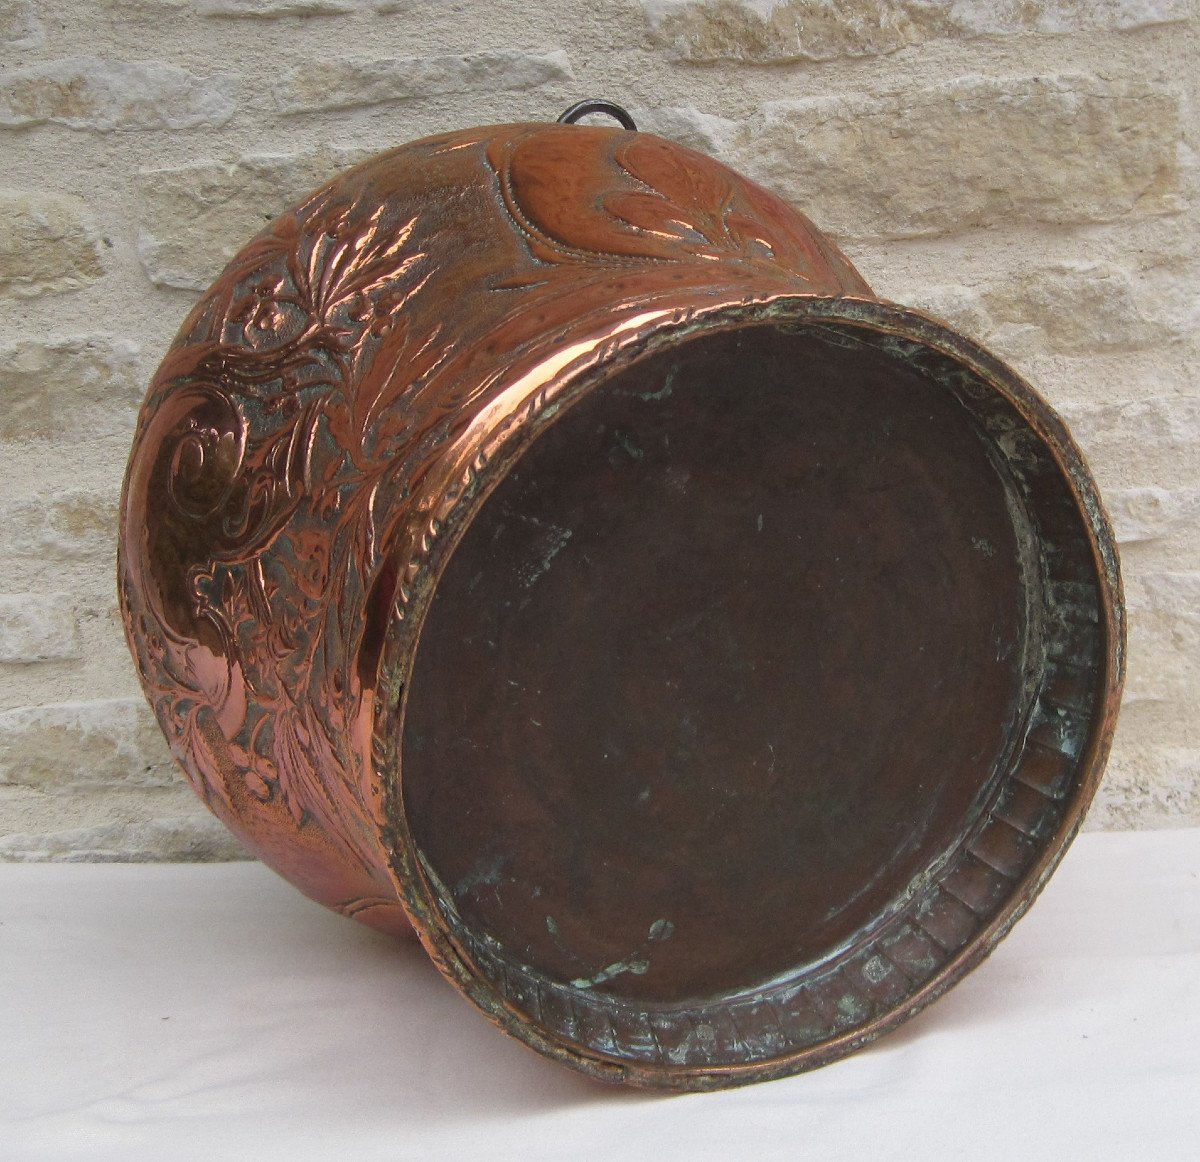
(541, 536)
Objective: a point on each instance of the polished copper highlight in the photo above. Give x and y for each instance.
(541, 536)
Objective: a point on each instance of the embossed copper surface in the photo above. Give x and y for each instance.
(542, 536)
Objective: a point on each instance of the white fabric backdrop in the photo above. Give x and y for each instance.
(210, 1012)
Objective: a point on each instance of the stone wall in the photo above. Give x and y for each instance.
(1024, 168)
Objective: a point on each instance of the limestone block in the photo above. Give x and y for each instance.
(37, 627)
(48, 244)
(1087, 307)
(262, 10)
(1077, 308)
(89, 93)
(193, 838)
(71, 526)
(1148, 787)
(192, 219)
(349, 83)
(274, 9)
(19, 25)
(960, 306)
(1151, 513)
(783, 31)
(971, 152)
(73, 747)
(1135, 443)
(689, 126)
(73, 388)
(1164, 637)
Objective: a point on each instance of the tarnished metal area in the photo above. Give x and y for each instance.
(541, 535)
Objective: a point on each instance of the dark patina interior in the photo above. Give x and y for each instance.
(724, 677)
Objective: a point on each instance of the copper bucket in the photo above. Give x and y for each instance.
(542, 536)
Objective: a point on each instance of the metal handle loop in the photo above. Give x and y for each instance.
(593, 105)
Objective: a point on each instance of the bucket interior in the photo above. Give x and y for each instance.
(724, 678)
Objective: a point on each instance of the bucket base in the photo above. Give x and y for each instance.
(727, 672)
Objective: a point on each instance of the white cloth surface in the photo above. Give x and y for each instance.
(211, 1012)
